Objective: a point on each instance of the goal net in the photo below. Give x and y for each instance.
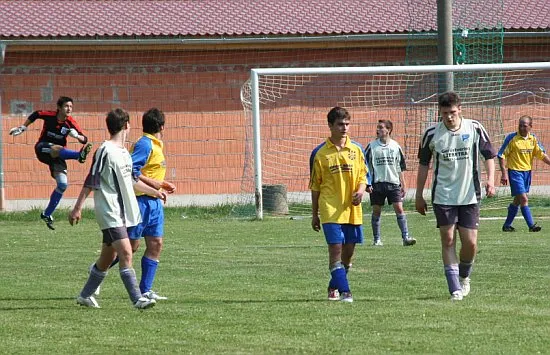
(286, 113)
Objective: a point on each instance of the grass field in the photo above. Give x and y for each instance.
(249, 287)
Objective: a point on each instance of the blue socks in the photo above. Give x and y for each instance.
(465, 268)
(402, 223)
(526, 212)
(68, 154)
(339, 279)
(375, 221)
(148, 272)
(512, 212)
(55, 197)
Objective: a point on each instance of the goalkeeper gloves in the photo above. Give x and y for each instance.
(73, 133)
(18, 130)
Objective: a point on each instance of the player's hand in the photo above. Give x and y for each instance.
(316, 223)
(162, 196)
(503, 180)
(15, 131)
(168, 187)
(369, 189)
(490, 190)
(75, 216)
(421, 205)
(73, 133)
(357, 198)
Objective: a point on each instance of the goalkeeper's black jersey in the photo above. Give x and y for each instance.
(55, 131)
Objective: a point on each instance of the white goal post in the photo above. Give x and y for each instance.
(492, 93)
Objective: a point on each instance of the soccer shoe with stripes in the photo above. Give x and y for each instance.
(48, 220)
(346, 297)
(144, 303)
(465, 284)
(152, 295)
(457, 296)
(333, 294)
(409, 241)
(86, 149)
(87, 302)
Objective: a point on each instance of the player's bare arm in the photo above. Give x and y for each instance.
(419, 202)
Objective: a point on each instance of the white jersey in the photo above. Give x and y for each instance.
(110, 178)
(385, 161)
(456, 174)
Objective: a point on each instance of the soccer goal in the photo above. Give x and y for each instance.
(286, 112)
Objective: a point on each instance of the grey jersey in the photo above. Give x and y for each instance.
(385, 161)
(456, 174)
(111, 179)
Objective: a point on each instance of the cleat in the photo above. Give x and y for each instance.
(465, 284)
(87, 302)
(508, 229)
(48, 220)
(346, 297)
(377, 243)
(457, 296)
(409, 241)
(86, 149)
(333, 294)
(144, 303)
(535, 228)
(152, 295)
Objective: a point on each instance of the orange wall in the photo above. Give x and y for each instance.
(198, 90)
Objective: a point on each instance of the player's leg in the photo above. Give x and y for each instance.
(516, 188)
(447, 217)
(57, 194)
(153, 218)
(523, 201)
(468, 222)
(123, 248)
(396, 199)
(338, 282)
(353, 234)
(96, 275)
(376, 224)
(58, 151)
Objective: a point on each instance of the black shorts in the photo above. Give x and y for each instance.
(42, 151)
(385, 190)
(111, 235)
(466, 216)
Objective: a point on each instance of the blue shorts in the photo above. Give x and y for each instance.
(152, 219)
(336, 233)
(520, 181)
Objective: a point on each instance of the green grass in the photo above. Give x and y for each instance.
(249, 287)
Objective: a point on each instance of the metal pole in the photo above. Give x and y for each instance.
(2, 192)
(445, 43)
(255, 93)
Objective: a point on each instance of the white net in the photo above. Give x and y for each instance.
(293, 111)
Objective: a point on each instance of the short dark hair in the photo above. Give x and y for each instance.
(63, 100)
(338, 113)
(388, 124)
(152, 121)
(448, 99)
(116, 119)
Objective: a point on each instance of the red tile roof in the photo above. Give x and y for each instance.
(79, 18)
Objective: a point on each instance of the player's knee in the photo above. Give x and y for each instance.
(61, 187)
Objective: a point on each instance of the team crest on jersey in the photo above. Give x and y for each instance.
(465, 137)
(352, 155)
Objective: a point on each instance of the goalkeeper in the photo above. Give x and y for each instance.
(50, 148)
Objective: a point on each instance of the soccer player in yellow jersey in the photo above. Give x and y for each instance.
(338, 181)
(519, 149)
(149, 165)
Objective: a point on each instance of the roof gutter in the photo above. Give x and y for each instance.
(234, 40)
